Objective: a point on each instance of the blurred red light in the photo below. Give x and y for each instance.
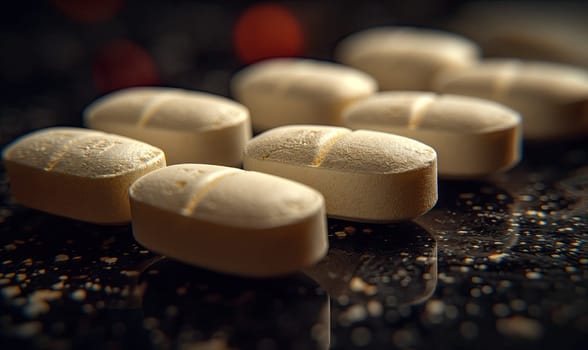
(121, 64)
(267, 30)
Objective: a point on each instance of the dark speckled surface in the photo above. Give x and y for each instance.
(495, 263)
(499, 263)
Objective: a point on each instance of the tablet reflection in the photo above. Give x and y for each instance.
(186, 306)
(472, 219)
(391, 265)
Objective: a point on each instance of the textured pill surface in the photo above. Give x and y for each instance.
(78, 173)
(193, 127)
(299, 91)
(551, 98)
(229, 220)
(472, 137)
(403, 58)
(364, 175)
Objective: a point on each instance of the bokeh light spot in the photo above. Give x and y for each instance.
(120, 64)
(267, 30)
(89, 11)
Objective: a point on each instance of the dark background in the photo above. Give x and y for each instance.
(53, 50)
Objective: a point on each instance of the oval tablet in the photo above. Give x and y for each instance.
(190, 126)
(364, 175)
(405, 58)
(299, 91)
(229, 220)
(472, 137)
(545, 31)
(551, 98)
(78, 173)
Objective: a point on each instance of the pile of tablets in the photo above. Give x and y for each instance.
(328, 143)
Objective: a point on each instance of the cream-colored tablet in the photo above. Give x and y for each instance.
(229, 220)
(551, 98)
(299, 91)
(554, 31)
(364, 175)
(78, 173)
(472, 136)
(402, 58)
(190, 126)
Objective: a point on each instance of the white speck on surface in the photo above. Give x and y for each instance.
(79, 295)
(349, 230)
(533, 275)
(487, 289)
(477, 279)
(435, 307)
(353, 314)
(520, 327)
(130, 273)
(58, 285)
(11, 291)
(526, 198)
(109, 260)
(374, 308)
(45, 294)
(34, 309)
(421, 259)
(61, 257)
(10, 246)
(359, 285)
(445, 278)
(38, 302)
(497, 258)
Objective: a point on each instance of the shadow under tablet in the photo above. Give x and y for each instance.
(188, 306)
(395, 263)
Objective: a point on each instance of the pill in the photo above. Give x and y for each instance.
(229, 220)
(472, 137)
(402, 58)
(551, 98)
(298, 91)
(190, 126)
(78, 173)
(545, 31)
(364, 175)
